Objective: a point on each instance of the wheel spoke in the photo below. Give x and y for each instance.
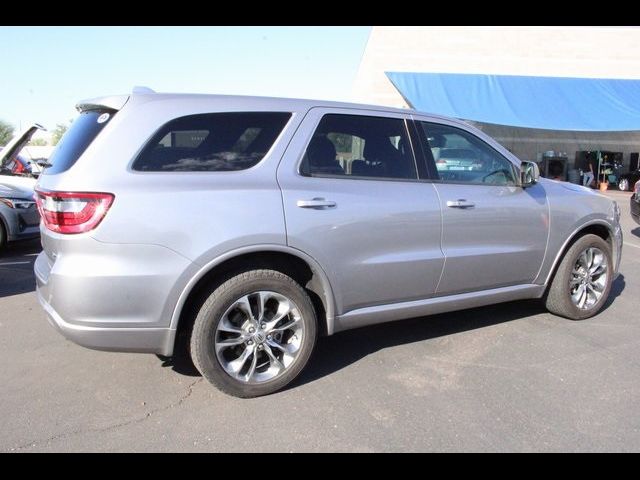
(244, 305)
(597, 270)
(236, 365)
(272, 358)
(597, 286)
(284, 308)
(589, 255)
(261, 300)
(583, 261)
(230, 342)
(583, 297)
(286, 326)
(577, 295)
(591, 297)
(252, 368)
(226, 326)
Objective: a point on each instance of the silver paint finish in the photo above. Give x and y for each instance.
(379, 244)
(501, 241)
(386, 250)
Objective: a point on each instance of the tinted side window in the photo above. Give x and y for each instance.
(360, 146)
(84, 129)
(212, 142)
(461, 157)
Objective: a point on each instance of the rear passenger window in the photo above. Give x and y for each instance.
(212, 142)
(360, 146)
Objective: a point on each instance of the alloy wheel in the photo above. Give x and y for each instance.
(259, 337)
(588, 279)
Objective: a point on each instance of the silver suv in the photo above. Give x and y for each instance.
(251, 226)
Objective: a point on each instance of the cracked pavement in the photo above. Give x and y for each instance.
(502, 378)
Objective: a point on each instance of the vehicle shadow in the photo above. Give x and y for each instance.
(636, 232)
(16, 268)
(617, 288)
(341, 350)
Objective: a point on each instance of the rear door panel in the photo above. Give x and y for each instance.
(381, 242)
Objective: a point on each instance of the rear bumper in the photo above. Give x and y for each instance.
(142, 340)
(111, 297)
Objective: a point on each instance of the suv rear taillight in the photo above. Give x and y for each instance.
(72, 212)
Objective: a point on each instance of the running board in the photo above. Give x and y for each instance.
(431, 306)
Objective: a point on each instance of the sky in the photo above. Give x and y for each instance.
(47, 70)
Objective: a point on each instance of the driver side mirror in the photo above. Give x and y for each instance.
(529, 174)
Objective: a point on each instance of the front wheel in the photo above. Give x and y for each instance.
(254, 334)
(583, 280)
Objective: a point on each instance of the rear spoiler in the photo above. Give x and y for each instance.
(114, 102)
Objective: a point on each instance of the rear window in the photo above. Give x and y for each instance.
(75, 141)
(212, 142)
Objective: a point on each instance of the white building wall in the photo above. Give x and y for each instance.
(594, 52)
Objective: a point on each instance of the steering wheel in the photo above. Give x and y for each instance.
(504, 171)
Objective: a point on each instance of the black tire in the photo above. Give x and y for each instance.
(3, 237)
(558, 296)
(203, 335)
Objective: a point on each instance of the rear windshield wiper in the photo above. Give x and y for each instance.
(43, 163)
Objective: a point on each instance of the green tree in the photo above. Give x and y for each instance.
(37, 142)
(6, 132)
(58, 132)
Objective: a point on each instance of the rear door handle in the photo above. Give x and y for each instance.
(460, 203)
(316, 203)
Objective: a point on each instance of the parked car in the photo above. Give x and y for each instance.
(635, 202)
(626, 181)
(232, 222)
(19, 218)
(13, 161)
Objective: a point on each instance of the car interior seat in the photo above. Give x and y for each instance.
(436, 142)
(321, 154)
(383, 159)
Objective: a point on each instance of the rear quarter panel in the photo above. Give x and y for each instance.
(198, 215)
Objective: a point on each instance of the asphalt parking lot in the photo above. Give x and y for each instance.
(509, 377)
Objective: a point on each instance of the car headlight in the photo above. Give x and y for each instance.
(17, 203)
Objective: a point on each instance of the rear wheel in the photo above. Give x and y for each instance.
(254, 334)
(583, 280)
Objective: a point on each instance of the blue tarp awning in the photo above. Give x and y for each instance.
(555, 103)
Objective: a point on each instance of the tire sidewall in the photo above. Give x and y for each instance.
(3, 237)
(574, 252)
(210, 315)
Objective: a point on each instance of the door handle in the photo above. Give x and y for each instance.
(460, 203)
(316, 203)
